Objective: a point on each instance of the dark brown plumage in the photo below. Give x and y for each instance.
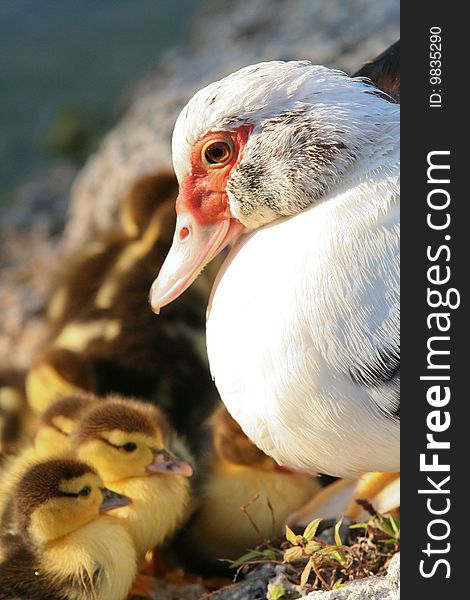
(20, 574)
(128, 416)
(69, 407)
(83, 275)
(41, 483)
(71, 366)
(232, 445)
(139, 206)
(18, 579)
(59, 550)
(384, 71)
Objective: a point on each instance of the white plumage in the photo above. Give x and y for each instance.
(302, 327)
(299, 303)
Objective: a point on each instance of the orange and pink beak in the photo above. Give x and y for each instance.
(195, 244)
(204, 224)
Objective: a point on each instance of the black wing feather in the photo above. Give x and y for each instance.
(384, 71)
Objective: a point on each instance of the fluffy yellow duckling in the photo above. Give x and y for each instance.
(57, 423)
(66, 548)
(55, 373)
(51, 439)
(127, 442)
(52, 435)
(238, 475)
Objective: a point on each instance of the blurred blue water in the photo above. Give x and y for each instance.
(55, 53)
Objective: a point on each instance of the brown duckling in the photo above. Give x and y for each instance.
(83, 275)
(55, 373)
(66, 547)
(138, 207)
(53, 430)
(129, 444)
(51, 439)
(58, 422)
(102, 327)
(237, 476)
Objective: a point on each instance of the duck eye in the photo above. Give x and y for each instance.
(218, 152)
(85, 491)
(129, 446)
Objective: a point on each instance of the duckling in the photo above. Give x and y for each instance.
(51, 439)
(55, 373)
(57, 424)
(84, 273)
(127, 442)
(104, 338)
(138, 207)
(238, 477)
(66, 547)
(53, 429)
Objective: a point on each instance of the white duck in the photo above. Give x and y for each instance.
(299, 166)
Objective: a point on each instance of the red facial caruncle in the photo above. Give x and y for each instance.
(204, 224)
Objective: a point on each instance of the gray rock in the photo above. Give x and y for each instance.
(254, 587)
(386, 587)
(326, 530)
(282, 583)
(30, 232)
(264, 581)
(41, 203)
(169, 591)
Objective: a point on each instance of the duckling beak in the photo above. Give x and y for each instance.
(113, 500)
(164, 462)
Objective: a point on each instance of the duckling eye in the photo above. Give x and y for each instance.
(217, 153)
(129, 446)
(85, 491)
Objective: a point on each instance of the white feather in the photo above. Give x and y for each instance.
(258, 92)
(303, 301)
(295, 305)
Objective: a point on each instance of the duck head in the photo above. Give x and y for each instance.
(263, 144)
(58, 496)
(125, 438)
